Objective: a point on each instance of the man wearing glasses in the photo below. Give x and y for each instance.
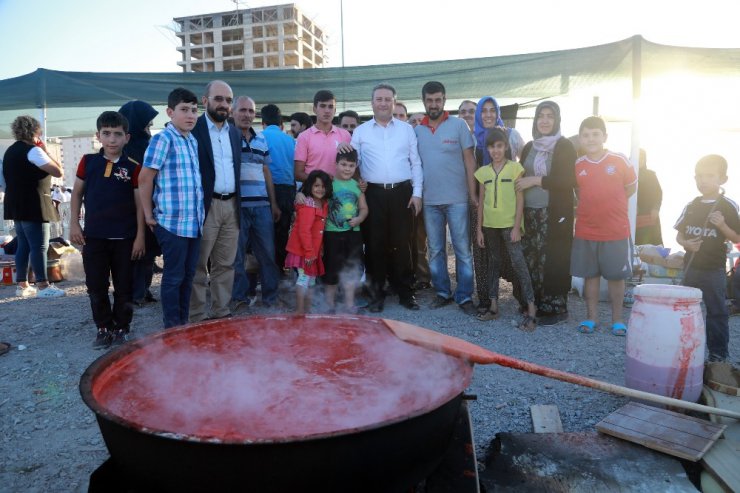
(466, 111)
(349, 120)
(219, 154)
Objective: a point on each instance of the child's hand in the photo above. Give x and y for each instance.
(717, 219)
(692, 245)
(480, 240)
(75, 234)
(354, 222)
(138, 250)
(300, 199)
(362, 184)
(516, 234)
(150, 221)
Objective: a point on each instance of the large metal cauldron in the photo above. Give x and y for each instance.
(277, 404)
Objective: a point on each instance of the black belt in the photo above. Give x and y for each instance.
(388, 186)
(224, 196)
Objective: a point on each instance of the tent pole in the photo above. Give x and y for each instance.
(341, 30)
(42, 119)
(636, 117)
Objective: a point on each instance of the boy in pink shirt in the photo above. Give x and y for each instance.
(601, 248)
(316, 147)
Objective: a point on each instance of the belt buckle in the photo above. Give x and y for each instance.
(388, 186)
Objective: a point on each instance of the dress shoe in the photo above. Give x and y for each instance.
(375, 306)
(409, 303)
(439, 302)
(468, 308)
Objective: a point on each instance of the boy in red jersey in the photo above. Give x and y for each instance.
(605, 181)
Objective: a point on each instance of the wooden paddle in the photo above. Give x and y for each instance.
(475, 354)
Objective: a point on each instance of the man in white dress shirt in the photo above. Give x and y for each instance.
(219, 155)
(390, 164)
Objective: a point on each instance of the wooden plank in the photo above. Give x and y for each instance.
(663, 430)
(546, 419)
(722, 463)
(669, 419)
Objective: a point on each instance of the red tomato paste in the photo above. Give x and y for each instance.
(274, 379)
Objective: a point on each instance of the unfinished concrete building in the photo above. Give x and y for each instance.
(273, 37)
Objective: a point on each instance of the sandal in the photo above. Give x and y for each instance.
(587, 327)
(487, 315)
(4, 347)
(483, 308)
(528, 324)
(619, 329)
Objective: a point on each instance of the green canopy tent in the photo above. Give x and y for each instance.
(69, 101)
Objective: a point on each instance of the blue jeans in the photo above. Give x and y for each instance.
(257, 230)
(436, 220)
(713, 285)
(180, 258)
(33, 241)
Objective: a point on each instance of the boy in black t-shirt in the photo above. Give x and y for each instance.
(706, 223)
(107, 183)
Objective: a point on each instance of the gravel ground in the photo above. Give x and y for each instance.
(49, 440)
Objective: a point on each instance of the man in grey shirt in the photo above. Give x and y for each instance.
(446, 151)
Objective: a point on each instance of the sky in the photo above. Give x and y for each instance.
(136, 35)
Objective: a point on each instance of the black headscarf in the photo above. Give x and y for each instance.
(138, 114)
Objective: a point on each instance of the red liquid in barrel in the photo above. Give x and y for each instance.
(664, 380)
(277, 379)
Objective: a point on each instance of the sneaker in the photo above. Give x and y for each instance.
(103, 339)
(120, 336)
(50, 291)
(27, 292)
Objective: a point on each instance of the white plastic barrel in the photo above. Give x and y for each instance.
(666, 341)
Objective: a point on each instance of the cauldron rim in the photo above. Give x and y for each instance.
(102, 362)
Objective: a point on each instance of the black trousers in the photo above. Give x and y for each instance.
(387, 233)
(104, 259)
(284, 196)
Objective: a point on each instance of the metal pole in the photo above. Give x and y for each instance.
(341, 34)
(636, 116)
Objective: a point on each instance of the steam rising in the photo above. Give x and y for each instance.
(278, 379)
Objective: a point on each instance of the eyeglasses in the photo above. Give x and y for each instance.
(221, 99)
(349, 125)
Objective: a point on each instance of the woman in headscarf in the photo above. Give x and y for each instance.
(549, 163)
(140, 115)
(488, 116)
(27, 169)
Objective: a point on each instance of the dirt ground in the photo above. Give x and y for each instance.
(50, 441)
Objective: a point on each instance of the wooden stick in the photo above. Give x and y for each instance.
(476, 354)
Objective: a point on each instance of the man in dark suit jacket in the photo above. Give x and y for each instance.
(219, 154)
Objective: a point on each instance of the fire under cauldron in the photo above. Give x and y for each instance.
(278, 404)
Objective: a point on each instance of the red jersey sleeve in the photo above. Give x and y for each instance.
(135, 177)
(628, 174)
(81, 169)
